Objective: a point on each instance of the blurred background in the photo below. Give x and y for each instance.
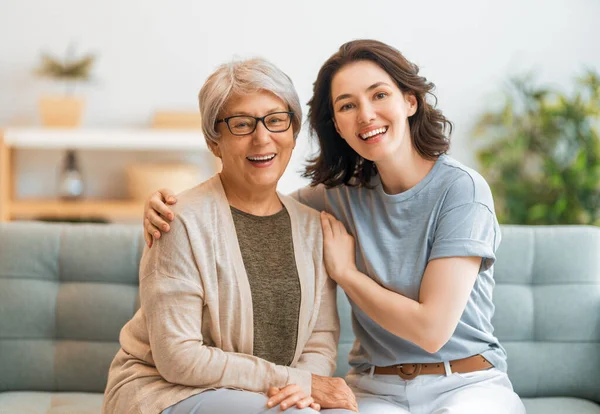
(517, 79)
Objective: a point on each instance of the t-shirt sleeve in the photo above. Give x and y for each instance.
(311, 196)
(468, 230)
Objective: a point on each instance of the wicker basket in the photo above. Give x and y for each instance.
(144, 179)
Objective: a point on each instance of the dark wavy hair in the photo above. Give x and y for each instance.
(337, 163)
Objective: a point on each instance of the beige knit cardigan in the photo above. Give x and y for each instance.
(194, 328)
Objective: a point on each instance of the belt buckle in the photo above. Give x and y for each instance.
(402, 373)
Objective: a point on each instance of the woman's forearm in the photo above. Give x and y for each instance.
(395, 313)
(429, 322)
(197, 365)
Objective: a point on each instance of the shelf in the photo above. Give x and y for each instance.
(110, 139)
(51, 208)
(105, 139)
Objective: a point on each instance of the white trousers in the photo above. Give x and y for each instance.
(488, 391)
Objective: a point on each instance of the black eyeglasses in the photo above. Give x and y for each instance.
(245, 124)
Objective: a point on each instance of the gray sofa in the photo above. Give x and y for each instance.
(66, 290)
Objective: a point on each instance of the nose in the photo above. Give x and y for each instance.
(366, 113)
(261, 134)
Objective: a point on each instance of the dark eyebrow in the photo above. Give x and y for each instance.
(370, 88)
(376, 85)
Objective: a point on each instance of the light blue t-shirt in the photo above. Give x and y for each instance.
(449, 213)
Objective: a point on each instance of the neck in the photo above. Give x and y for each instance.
(404, 171)
(255, 200)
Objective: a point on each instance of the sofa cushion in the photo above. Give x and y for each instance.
(557, 405)
(25, 402)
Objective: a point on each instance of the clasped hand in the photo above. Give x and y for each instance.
(289, 396)
(327, 392)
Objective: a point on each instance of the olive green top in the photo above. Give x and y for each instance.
(268, 255)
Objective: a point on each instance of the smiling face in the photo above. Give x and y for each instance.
(254, 161)
(370, 111)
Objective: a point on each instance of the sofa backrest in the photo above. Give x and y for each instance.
(547, 316)
(65, 293)
(548, 309)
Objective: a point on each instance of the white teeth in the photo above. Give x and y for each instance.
(263, 158)
(373, 133)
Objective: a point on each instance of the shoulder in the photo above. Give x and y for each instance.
(464, 185)
(195, 212)
(198, 201)
(330, 199)
(306, 223)
(312, 196)
(302, 212)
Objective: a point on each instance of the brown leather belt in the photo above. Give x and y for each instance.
(410, 371)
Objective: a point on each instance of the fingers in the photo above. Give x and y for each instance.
(338, 227)
(326, 225)
(147, 236)
(272, 391)
(289, 391)
(294, 399)
(157, 221)
(167, 196)
(331, 226)
(352, 400)
(316, 406)
(156, 213)
(347, 403)
(305, 402)
(157, 205)
(150, 232)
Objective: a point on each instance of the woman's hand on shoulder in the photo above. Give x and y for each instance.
(339, 249)
(289, 396)
(157, 214)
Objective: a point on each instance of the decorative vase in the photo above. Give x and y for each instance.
(61, 112)
(71, 185)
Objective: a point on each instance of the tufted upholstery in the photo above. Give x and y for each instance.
(66, 290)
(65, 293)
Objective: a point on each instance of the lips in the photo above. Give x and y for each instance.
(372, 134)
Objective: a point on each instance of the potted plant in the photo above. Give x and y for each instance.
(65, 110)
(540, 153)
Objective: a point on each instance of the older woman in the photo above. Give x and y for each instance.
(235, 300)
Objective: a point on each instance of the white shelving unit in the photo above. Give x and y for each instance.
(13, 139)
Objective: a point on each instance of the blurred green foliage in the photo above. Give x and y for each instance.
(540, 153)
(76, 69)
(70, 70)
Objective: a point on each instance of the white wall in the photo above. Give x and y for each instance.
(156, 54)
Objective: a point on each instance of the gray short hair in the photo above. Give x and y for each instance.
(242, 78)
